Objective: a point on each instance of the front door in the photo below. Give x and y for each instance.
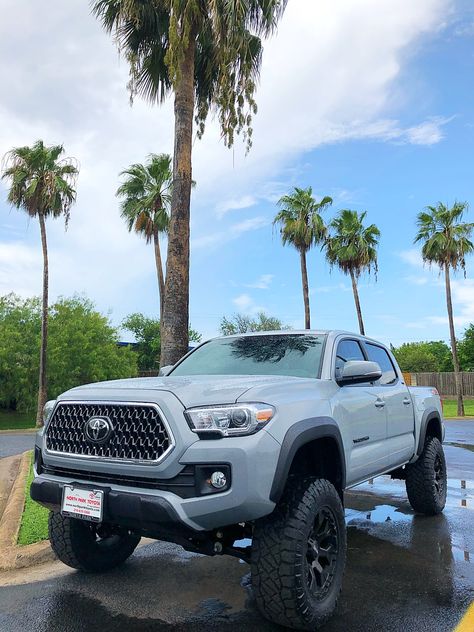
(362, 419)
(399, 407)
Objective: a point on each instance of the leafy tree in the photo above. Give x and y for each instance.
(82, 348)
(146, 195)
(352, 247)
(241, 324)
(208, 54)
(148, 339)
(466, 349)
(302, 226)
(415, 359)
(20, 334)
(42, 184)
(446, 241)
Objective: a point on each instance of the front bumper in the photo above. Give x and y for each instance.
(251, 461)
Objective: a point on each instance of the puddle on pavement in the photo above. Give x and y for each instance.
(380, 513)
(466, 446)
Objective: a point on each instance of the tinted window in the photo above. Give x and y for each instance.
(347, 350)
(297, 355)
(379, 355)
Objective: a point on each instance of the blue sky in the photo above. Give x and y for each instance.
(370, 102)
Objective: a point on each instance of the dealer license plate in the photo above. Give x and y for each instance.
(87, 504)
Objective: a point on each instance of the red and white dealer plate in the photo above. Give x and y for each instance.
(87, 504)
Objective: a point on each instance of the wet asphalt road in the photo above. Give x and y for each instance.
(16, 443)
(404, 572)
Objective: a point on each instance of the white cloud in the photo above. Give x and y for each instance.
(246, 201)
(213, 240)
(428, 133)
(413, 257)
(262, 283)
(246, 305)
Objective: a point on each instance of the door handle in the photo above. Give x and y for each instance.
(379, 403)
(407, 401)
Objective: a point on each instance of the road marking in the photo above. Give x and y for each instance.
(467, 622)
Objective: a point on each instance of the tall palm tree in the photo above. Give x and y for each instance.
(146, 193)
(446, 241)
(43, 185)
(208, 55)
(352, 247)
(302, 226)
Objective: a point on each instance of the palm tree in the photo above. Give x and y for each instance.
(42, 184)
(146, 193)
(208, 54)
(446, 242)
(302, 226)
(352, 247)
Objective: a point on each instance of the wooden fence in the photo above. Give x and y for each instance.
(444, 382)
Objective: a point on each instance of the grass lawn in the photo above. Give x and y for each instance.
(450, 407)
(16, 421)
(34, 521)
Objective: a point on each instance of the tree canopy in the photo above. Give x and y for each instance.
(83, 348)
(420, 357)
(147, 335)
(242, 323)
(155, 35)
(445, 237)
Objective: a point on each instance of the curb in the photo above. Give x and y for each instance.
(11, 555)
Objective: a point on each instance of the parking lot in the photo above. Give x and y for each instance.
(404, 572)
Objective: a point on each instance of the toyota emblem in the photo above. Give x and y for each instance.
(98, 429)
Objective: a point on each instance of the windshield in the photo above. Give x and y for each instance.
(297, 355)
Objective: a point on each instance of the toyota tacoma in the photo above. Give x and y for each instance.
(245, 448)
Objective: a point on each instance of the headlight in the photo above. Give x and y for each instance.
(231, 420)
(47, 410)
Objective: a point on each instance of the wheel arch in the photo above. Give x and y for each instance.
(311, 446)
(431, 426)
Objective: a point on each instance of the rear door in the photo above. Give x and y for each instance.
(399, 406)
(361, 417)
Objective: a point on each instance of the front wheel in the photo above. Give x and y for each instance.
(298, 555)
(87, 546)
(426, 479)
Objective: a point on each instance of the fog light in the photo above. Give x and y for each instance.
(218, 480)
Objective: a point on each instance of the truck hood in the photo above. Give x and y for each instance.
(196, 390)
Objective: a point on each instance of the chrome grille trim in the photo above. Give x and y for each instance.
(166, 430)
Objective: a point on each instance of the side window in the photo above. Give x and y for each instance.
(379, 355)
(347, 350)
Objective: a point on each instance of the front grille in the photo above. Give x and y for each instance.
(139, 434)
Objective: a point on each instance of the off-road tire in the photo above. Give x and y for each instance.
(281, 555)
(426, 479)
(76, 544)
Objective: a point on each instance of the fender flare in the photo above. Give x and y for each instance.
(428, 415)
(298, 435)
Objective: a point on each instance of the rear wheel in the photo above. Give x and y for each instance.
(426, 479)
(298, 555)
(87, 546)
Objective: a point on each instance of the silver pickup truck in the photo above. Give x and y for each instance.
(249, 439)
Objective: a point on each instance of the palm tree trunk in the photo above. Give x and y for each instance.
(357, 302)
(175, 316)
(43, 385)
(457, 373)
(304, 278)
(159, 270)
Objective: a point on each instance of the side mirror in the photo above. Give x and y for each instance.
(359, 371)
(165, 370)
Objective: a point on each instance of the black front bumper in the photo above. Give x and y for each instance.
(137, 511)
